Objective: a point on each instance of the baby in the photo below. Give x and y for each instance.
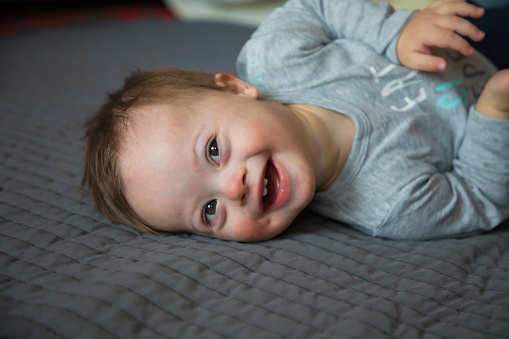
(373, 117)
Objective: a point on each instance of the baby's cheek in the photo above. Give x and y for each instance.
(251, 230)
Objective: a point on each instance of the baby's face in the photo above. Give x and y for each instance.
(231, 167)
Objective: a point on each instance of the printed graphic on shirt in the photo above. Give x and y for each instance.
(450, 93)
(258, 82)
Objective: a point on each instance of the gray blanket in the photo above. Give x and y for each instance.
(65, 272)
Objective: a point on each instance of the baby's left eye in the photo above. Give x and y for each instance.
(209, 211)
(214, 151)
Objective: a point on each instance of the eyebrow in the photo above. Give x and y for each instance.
(196, 161)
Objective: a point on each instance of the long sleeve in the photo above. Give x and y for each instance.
(307, 31)
(472, 196)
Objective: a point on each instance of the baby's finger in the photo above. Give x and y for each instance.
(439, 2)
(461, 26)
(459, 8)
(445, 38)
(426, 62)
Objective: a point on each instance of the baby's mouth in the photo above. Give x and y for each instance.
(271, 189)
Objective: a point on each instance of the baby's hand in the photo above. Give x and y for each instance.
(438, 25)
(494, 100)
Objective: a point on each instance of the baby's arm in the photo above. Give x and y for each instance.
(471, 196)
(438, 25)
(317, 23)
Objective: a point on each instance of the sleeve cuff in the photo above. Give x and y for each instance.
(391, 52)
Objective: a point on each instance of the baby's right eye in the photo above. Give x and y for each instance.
(209, 212)
(213, 150)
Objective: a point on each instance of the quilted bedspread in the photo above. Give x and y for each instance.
(65, 272)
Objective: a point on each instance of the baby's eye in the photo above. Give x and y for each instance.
(210, 211)
(214, 151)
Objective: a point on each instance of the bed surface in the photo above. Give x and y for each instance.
(65, 272)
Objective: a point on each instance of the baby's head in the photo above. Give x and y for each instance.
(187, 151)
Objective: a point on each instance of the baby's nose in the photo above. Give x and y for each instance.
(234, 187)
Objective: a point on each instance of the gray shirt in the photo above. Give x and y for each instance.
(424, 163)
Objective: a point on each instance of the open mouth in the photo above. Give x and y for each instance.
(272, 183)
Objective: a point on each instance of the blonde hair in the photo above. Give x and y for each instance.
(104, 129)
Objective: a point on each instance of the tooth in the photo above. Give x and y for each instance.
(265, 181)
(265, 191)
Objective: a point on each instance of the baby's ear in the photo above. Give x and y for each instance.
(235, 85)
